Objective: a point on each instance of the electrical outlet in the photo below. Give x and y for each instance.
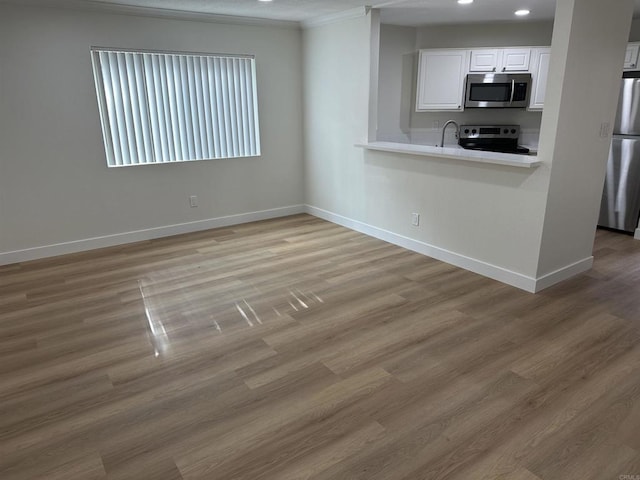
(436, 124)
(415, 219)
(193, 201)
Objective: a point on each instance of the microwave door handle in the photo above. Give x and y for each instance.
(513, 89)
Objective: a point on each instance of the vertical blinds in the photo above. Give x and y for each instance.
(170, 107)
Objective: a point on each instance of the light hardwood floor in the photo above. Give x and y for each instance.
(294, 348)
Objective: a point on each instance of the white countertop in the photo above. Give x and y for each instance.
(455, 152)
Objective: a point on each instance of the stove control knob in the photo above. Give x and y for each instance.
(506, 130)
(474, 131)
(513, 131)
(466, 130)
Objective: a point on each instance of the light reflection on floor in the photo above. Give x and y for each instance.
(174, 310)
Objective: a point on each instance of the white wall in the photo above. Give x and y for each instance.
(396, 82)
(634, 34)
(485, 35)
(4, 127)
(582, 94)
(336, 104)
(54, 183)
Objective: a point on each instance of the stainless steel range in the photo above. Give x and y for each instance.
(491, 138)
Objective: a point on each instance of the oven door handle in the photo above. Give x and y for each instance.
(513, 90)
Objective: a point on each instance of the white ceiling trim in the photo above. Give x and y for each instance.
(350, 13)
(336, 17)
(121, 9)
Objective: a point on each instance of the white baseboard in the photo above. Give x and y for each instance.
(45, 251)
(564, 273)
(500, 274)
(518, 280)
(497, 273)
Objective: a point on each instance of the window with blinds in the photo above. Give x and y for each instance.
(175, 107)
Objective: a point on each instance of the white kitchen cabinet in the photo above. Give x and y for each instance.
(515, 60)
(441, 75)
(540, 73)
(631, 56)
(484, 60)
(500, 60)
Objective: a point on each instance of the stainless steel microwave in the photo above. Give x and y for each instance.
(497, 90)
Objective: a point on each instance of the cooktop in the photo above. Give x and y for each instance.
(491, 138)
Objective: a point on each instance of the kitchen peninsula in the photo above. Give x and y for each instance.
(455, 153)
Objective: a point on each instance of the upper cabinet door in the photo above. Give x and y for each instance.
(500, 60)
(516, 59)
(441, 75)
(631, 57)
(542, 59)
(485, 60)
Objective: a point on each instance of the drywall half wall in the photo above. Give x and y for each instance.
(55, 187)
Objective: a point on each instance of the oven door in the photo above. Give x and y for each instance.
(497, 90)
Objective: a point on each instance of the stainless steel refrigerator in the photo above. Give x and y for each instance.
(620, 206)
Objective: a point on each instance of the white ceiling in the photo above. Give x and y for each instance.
(425, 12)
(399, 12)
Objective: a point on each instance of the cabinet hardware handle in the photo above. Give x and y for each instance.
(504, 69)
(494, 69)
(633, 64)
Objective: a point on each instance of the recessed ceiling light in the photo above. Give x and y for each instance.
(264, 0)
(465, 2)
(522, 13)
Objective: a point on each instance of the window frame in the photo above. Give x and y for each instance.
(247, 80)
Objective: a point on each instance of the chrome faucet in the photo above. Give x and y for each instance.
(445, 127)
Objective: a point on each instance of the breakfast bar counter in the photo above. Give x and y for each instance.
(455, 152)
